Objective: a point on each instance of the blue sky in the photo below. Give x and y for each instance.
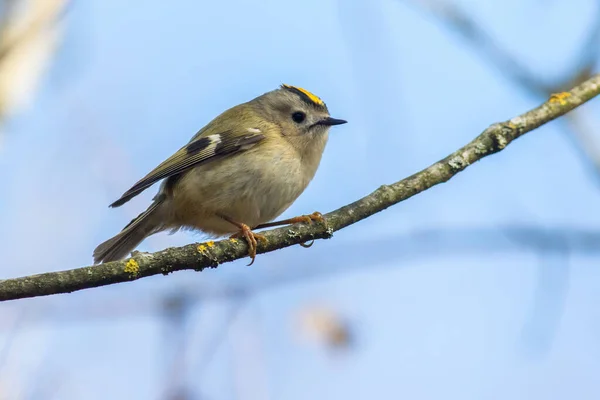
(134, 81)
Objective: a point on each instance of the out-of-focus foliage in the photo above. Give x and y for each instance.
(30, 31)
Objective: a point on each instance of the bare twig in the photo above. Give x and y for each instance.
(492, 140)
(423, 243)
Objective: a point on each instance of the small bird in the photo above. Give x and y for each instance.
(238, 173)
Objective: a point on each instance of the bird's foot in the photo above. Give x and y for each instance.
(251, 238)
(308, 219)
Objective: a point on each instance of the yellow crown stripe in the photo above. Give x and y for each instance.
(308, 94)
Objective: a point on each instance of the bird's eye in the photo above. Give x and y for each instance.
(298, 117)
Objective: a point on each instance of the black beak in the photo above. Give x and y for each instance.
(331, 121)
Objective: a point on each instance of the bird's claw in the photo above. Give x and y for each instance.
(309, 219)
(306, 245)
(251, 238)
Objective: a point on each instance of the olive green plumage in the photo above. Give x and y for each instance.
(245, 167)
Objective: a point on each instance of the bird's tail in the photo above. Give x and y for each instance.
(119, 246)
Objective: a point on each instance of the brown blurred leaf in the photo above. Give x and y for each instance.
(325, 326)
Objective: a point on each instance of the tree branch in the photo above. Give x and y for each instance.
(198, 257)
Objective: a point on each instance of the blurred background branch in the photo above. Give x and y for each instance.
(417, 244)
(458, 20)
(315, 322)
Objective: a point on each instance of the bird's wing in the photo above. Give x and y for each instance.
(201, 149)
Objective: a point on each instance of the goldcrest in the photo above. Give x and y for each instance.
(238, 173)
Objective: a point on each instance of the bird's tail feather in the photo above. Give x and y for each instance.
(130, 237)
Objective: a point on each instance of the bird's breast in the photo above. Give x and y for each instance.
(252, 187)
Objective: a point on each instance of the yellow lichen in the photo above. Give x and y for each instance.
(205, 246)
(234, 240)
(560, 98)
(132, 267)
